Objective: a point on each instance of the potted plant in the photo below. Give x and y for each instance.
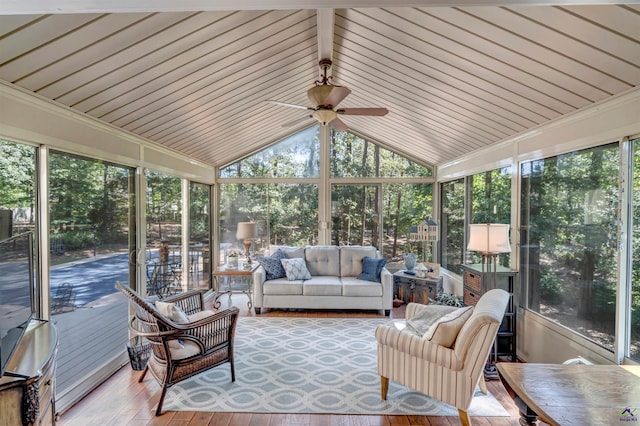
(232, 258)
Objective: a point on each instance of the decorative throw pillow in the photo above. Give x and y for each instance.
(424, 319)
(296, 269)
(272, 265)
(172, 311)
(445, 330)
(372, 268)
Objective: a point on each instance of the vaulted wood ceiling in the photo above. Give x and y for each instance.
(454, 78)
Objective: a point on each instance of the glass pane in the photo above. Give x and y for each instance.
(242, 203)
(199, 235)
(568, 238)
(285, 214)
(164, 234)
(293, 214)
(634, 309)
(404, 207)
(17, 189)
(452, 225)
(296, 156)
(490, 198)
(354, 215)
(92, 230)
(353, 156)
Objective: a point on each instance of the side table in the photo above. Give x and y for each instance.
(245, 273)
(411, 288)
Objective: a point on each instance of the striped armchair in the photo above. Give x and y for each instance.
(449, 374)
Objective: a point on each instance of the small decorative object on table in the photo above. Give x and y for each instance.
(232, 259)
(409, 261)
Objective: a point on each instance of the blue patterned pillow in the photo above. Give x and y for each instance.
(372, 268)
(296, 269)
(272, 265)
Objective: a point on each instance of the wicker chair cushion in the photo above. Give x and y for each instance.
(172, 311)
(199, 315)
(187, 350)
(445, 330)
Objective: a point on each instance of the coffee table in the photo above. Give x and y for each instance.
(573, 394)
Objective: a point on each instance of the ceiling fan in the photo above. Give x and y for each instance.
(326, 97)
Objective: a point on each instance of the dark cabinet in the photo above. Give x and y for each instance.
(475, 284)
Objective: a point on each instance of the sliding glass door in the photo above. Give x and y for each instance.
(92, 229)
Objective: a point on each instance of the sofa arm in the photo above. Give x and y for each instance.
(416, 346)
(259, 277)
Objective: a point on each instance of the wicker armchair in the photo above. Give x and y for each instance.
(180, 351)
(449, 374)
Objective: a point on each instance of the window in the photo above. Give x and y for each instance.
(452, 226)
(17, 189)
(568, 240)
(353, 156)
(490, 200)
(296, 156)
(633, 348)
(199, 235)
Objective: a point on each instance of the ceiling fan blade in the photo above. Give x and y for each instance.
(297, 121)
(338, 125)
(289, 105)
(336, 96)
(363, 111)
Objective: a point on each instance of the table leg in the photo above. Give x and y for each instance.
(527, 416)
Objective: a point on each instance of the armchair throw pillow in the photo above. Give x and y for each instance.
(172, 311)
(444, 331)
(272, 265)
(296, 269)
(372, 268)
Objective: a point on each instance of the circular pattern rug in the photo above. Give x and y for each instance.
(308, 365)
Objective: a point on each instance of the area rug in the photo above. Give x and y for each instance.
(311, 366)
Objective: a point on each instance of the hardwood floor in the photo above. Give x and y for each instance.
(121, 400)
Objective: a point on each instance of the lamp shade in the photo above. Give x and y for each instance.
(489, 238)
(246, 230)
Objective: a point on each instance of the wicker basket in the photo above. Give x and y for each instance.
(139, 350)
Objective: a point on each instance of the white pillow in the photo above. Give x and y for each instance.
(444, 331)
(172, 311)
(296, 269)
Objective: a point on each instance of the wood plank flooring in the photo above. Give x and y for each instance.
(121, 400)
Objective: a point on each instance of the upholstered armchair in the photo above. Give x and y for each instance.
(447, 361)
(185, 338)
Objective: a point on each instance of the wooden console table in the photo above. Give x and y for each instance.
(573, 394)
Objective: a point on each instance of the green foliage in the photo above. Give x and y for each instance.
(448, 299)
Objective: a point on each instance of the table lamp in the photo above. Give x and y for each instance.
(489, 239)
(246, 231)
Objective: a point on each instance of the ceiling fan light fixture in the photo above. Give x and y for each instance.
(325, 116)
(318, 94)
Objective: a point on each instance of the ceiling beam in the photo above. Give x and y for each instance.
(31, 7)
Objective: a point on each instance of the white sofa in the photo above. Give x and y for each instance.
(334, 282)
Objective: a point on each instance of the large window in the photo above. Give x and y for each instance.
(199, 235)
(633, 348)
(452, 227)
(569, 242)
(17, 188)
(490, 200)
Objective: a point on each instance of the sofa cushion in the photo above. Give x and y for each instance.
(282, 286)
(445, 330)
(354, 287)
(296, 269)
(351, 259)
(323, 260)
(290, 252)
(372, 268)
(272, 265)
(322, 286)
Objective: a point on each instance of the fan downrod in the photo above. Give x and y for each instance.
(325, 65)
